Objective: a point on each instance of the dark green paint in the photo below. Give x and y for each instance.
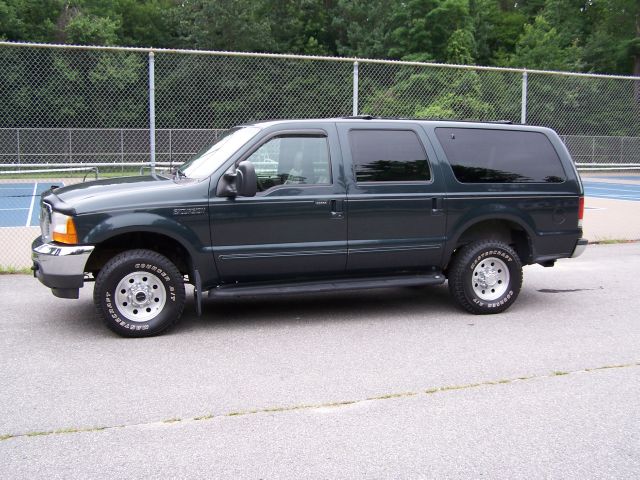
(336, 230)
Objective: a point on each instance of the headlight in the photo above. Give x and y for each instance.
(63, 229)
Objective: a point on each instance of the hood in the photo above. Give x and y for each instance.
(113, 194)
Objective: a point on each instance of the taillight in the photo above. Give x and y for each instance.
(580, 211)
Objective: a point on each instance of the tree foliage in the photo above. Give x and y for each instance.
(583, 35)
(54, 88)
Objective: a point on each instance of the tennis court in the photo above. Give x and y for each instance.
(19, 203)
(614, 191)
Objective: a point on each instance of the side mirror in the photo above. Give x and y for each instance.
(238, 181)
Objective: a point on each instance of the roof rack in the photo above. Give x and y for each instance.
(372, 117)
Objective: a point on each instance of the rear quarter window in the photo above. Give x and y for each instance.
(500, 156)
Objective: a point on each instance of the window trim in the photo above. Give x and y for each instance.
(390, 182)
(310, 132)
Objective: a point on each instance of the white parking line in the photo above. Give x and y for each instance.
(33, 201)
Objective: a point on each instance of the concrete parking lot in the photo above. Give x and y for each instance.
(393, 383)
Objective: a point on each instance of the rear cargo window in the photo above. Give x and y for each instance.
(500, 156)
(388, 156)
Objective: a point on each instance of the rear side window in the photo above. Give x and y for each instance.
(500, 156)
(388, 156)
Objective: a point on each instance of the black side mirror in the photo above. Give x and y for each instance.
(238, 181)
(246, 179)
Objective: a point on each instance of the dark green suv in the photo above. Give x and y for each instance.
(317, 205)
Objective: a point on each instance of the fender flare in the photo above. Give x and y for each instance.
(143, 222)
(473, 220)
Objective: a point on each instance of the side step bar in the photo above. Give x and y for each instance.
(228, 291)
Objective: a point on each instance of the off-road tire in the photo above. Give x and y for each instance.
(486, 258)
(140, 276)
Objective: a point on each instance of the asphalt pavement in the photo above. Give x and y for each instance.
(395, 383)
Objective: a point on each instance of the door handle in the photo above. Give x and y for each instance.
(337, 209)
(437, 205)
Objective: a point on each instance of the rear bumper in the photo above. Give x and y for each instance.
(580, 247)
(60, 267)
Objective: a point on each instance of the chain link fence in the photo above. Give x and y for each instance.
(70, 112)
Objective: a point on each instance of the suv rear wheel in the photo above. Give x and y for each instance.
(485, 277)
(139, 293)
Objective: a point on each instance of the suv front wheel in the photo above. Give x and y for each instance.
(485, 277)
(139, 293)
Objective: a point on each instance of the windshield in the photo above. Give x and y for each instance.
(209, 159)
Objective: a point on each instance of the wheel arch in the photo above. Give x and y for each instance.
(506, 228)
(122, 241)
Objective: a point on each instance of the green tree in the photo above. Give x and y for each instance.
(362, 28)
(29, 20)
(424, 27)
(614, 45)
(497, 27)
(224, 25)
(542, 47)
(147, 23)
(84, 29)
(300, 26)
(461, 47)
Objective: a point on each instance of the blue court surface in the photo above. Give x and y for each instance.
(615, 191)
(19, 203)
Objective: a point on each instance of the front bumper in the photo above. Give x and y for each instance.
(581, 245)
(60, 267)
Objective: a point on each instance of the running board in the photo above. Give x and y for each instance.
(239, 290)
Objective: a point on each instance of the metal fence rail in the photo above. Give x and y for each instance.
(24, 148)
(118, 109)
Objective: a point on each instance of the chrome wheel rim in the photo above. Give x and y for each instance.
(490, 279)
(140, 296)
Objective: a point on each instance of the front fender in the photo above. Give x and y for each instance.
(115, 225)
(190, 231)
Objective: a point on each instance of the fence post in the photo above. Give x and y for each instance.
(355, 88)
(523, 110)
(122, 149)
(152, 113)
(18, 143)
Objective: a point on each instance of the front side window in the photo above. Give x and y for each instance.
(292, 160)
(500, 156)
(388, 156)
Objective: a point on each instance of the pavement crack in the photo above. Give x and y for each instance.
(312, 406)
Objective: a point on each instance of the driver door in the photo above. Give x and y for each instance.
(295, 226)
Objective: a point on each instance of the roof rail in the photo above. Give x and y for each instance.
(372, 117)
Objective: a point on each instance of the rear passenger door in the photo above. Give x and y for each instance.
(395, 197)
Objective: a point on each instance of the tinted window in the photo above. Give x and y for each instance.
(500, 156)
(292, 160)
(388, 156)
